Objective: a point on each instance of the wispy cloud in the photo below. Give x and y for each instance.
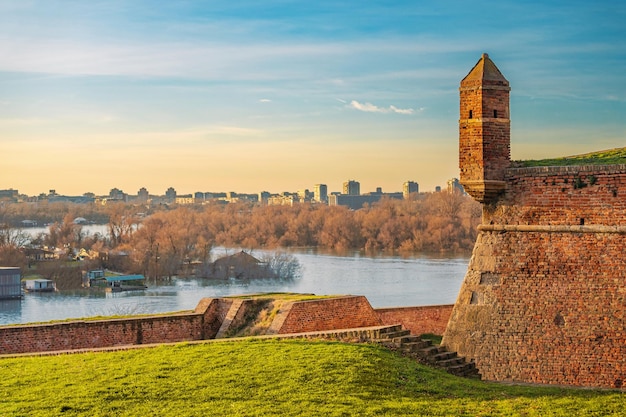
(371, 108)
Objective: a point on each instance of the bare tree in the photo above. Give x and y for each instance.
(283, 265)
(12, 237)
(122, 222)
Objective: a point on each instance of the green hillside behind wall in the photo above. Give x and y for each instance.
(608, 157)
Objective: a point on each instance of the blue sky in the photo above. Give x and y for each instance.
(280, 95)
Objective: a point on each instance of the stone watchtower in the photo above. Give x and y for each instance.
(484, 131)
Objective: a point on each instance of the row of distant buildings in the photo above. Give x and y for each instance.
(350, 196)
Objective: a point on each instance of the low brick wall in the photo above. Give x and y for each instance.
(329, 314)
(83, 334)
(419, 320)
(100, 333)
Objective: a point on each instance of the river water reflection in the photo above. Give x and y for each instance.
(385, 281)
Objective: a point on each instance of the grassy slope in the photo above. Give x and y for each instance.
(608, 157)
(269, 377)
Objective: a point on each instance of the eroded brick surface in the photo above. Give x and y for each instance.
(329, 314)
(419, 319)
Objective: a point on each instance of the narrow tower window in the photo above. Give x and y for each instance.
(470, 115)
(495, 114)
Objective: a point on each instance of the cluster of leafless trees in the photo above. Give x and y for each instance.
(168, 240)
(11, 242)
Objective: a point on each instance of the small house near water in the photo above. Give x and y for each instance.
(39, 285)
(239, 265)
(115, 283)
(125, 283)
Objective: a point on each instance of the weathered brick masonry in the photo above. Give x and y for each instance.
(203, 323)
(420, 319)
(329, 314)
(544, 297)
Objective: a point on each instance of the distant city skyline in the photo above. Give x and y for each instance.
(319, 190)
(282, 95)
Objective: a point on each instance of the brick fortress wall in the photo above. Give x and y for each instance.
(207, 319)
(544, 297)
(420, 319)
(330, 314)
(89, 334)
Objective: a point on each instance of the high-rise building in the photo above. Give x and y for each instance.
(264, 196)
(143, 195)
(170, 194)
(9, 195)
(304, 195)
(410, 187)
(352, 187)
(320, 193)
(454, 186)
(117, 194)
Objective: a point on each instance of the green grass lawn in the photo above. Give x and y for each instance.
(269, 378)
(608, 157)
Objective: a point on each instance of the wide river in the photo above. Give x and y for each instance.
(385, 281)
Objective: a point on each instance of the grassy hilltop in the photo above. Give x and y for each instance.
(269, 378)
(608, 157)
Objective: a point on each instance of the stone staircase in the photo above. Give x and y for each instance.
(424, 351)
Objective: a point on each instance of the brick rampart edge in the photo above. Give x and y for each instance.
(420, 319)
(322, 315)
(330, 313)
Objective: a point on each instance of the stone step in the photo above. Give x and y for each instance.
(425, 351)
(430, 351)
(398, 333)
(444, 356)
(467, 369)
(386, 335)
(405, 339)
(447, 363)
(390, 329)
(416, 346)
(385, 342)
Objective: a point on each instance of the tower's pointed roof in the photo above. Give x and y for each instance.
(485, 70)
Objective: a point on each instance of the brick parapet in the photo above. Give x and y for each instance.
(100, 333)
(328, 314)
(567, 169)
(358, 335)
(570, 195)
(419, 320)
(203, 323)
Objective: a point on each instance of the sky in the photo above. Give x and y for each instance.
(279, 95)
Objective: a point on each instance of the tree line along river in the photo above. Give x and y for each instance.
(387, 281)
